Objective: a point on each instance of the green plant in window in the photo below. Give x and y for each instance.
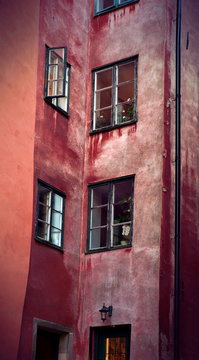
(126, 115)
(130, 111)
(125, 212)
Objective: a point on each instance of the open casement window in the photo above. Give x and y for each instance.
(57, 78)
(110, 223)
(115, 95)
(102, 6)
(50, 215)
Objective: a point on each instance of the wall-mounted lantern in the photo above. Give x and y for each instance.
(104, 310)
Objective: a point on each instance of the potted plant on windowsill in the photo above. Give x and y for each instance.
(125, 228)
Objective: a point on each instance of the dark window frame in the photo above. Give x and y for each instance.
(114, 65)
(110, 183)
(63, 195)
(113, 7)
(48, 99)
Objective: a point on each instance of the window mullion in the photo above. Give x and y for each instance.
(94, 100)
(56, 77)
(91, 219)
(114, 95)
(68, 85)
(51, 207)
(109, 215)
(112, 210)
(46, 73)
(135, 89)
(132, 201)
(64, 70)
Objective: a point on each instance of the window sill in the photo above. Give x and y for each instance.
(112, 127)
(108, 249)
(60, 248)
(65, 113)
(112, 8)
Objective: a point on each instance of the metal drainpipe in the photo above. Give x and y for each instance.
(177, 184)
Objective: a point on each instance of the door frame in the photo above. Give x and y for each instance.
(98, 335)
(65, 341)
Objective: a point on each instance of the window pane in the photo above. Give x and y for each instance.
(100, 195)
(43, 230)
(53, 72)
(103, 98)
(103, 4)
(121, 234)
(126, 72)
(56, 72)
(98, 238)
(56, 56)
(103, 118)
(63, 103)
(52, 88)
(58, 203)
(126, 92)
(61, 71)
(56, 236)
(116, 348)
(125, 112)
(67, 72)
(123, 191)
(60, 87)
(66, 88)
(122, 212)
(44, 213)
(99, 216)
(104, 79)
(44, 195)
(57, 219)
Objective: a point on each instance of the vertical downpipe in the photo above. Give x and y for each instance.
(177, 184)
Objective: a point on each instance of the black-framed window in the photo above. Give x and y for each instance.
(102, 6)
(110, 220)
(50, 215)
(57, 78)
(114, 95)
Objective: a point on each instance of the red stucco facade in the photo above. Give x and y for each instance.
(38, 142)
(19, 28)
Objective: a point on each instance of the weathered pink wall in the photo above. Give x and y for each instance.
(52, 290)
(19, 49)
(167, 241)
(189, 313)
(137, 281)
(128, 279)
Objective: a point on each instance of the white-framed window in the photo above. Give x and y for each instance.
(50, 215)
(110, 214)
(57, 78)
(115, 95)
